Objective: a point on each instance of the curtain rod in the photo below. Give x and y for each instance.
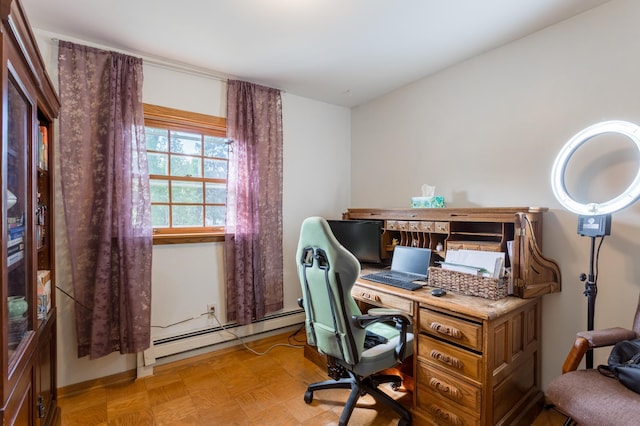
(152, 60)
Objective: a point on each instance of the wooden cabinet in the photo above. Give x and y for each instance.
(476, 361)
(28, 344)
(492, 229)
(481, 367)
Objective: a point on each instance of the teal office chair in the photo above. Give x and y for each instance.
(335, 325)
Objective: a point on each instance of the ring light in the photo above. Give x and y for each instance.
(630, 195)
(594, 218)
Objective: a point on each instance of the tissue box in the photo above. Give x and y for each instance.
(427, 202)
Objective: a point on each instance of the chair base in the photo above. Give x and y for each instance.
(359, 387)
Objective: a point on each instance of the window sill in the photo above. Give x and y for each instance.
(188, 238)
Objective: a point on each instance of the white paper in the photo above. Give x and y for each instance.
(461, 268)
(428, 190)
(489, 262)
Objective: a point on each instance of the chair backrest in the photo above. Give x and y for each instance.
(636, 320)
(327, 272)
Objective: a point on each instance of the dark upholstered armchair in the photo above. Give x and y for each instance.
(338, 329)
(587, 396)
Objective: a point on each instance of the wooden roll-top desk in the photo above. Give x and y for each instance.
(476, 361)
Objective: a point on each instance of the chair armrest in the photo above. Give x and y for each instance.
(401, 321)
(387, 311)
(607, 336)
(381, 315)
(586, 340)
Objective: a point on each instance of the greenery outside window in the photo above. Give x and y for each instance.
(188, 156)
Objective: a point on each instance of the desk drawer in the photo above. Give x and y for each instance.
(397, 225)
(449, 357)
(382, 299)
(439, 413)
(441, 227)
(435, 385)
(453, 329)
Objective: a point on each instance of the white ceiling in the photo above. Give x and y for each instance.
(343, 52)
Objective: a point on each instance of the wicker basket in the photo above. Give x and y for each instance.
(467, 284)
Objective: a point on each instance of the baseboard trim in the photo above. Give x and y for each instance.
(130, 375)
(101, 382)
(174, 346)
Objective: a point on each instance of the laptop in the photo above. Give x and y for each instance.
(408, 264)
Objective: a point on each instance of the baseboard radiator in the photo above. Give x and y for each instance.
(212, 338)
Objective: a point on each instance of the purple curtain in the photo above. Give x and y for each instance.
(105, 186)
(253, 240)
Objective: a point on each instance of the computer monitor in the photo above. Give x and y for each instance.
(361, 237)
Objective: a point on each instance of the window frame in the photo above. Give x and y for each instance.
(175, 119)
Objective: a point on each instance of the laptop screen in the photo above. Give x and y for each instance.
(412, 260)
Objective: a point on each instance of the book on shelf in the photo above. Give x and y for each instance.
(40, 236)
(15, 257)
(15, 222)
(14, 249)
(16, 233)
(43, 148)
(14, 241)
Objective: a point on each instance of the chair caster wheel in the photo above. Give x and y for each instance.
(308, 397)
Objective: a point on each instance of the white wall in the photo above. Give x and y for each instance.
(189, 276)
(486, 133)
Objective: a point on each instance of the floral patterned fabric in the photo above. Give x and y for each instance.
(107, 208)
(253, 240)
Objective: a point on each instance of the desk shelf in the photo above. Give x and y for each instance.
(487, 229)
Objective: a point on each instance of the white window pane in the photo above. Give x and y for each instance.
(186, 166)
(186, 143)
(216, 193)
(187, 216)
(186, 192)
(216, 147)
(158, 164)
(160, 216)
(215, 216)
(159, 191)
(157, 139)
(215, 169)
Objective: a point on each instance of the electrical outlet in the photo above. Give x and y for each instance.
(211, 310)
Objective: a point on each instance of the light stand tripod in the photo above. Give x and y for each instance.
(592, 226)
(591, 291)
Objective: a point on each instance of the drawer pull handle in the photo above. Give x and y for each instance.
(369, 296)
(449, 331)
(446, 359)
(445, 416)
(445, 388)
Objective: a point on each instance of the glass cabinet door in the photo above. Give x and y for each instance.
(17, 217)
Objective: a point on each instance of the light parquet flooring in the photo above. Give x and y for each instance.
(231, 387)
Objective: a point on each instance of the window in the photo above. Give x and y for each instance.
(188, 155)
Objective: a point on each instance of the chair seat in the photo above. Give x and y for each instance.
(594, 400)
(381, 356)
